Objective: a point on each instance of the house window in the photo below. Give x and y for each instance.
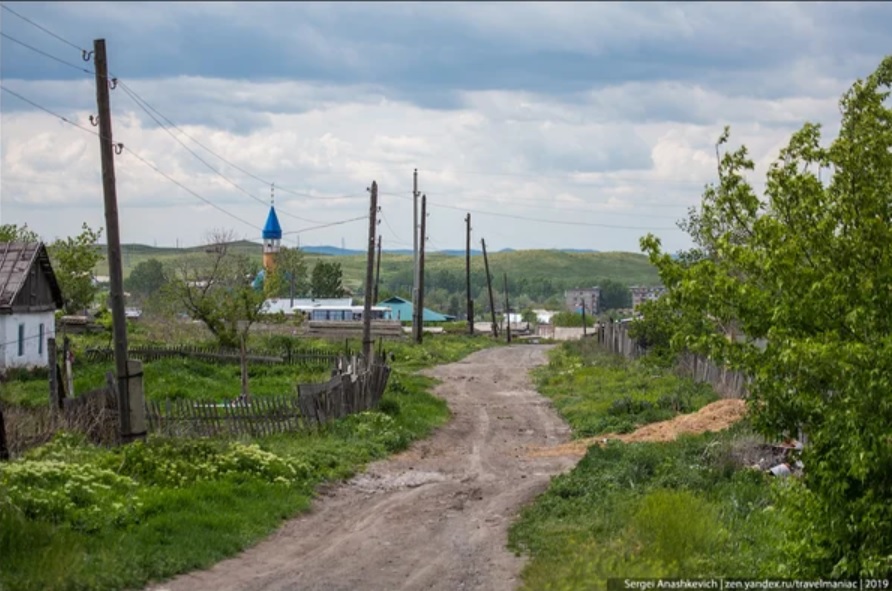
(40, 340)
(21, 339)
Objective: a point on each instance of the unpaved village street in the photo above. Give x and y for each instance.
(433, 517)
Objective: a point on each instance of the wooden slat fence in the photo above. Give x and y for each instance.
(94, 414)
(726, 382)
(314, 405)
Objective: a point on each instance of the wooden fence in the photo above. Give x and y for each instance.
(303, 357)
(314, 405)
(727, 383)
(95, 413)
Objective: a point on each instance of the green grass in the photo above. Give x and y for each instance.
(77, 517)
(598, 392)
(688, 508)
(652, 510)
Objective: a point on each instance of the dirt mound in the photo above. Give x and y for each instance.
(712, 417)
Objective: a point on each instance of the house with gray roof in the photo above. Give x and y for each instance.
(29, 298)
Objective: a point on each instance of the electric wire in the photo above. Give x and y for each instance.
(50, 56)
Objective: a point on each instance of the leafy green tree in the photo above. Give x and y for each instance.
(326, 280)
(146, 278)
(215, 287)
(571, 319)
(73, 261)
(614, 295)
(529, 316)
(796, 291)
(291, 272)
(15, 233)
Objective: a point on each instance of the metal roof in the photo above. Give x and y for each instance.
(16, 260)
(402, 310)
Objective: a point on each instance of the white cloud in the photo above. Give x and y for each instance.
(629, 151)
(504, 152)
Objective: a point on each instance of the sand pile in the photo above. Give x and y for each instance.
(712, 417)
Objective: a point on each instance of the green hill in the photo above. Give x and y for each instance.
(538, 275)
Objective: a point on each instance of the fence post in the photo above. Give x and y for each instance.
(137, 398)
(4, 448)
(55, 400)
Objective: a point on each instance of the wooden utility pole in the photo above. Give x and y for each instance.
(378, 269)
(414, 249)
(419, 310)
(113, 238)
(468, 274)
(507, 312)
(369, 278)
(492, 302)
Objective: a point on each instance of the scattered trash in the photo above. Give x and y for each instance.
(781, 470)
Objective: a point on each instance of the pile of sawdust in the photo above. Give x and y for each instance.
(712, 417)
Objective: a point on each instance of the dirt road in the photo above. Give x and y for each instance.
(433, 517)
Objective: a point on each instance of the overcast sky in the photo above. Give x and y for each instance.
(578, 125)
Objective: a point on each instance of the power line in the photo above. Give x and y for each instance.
(541, 220)
(395, 235)
(45, 110)
(45, 30)
(171, 179)
(45, 54)
(203, 161)
(149, 109)
(137, 156)
(142, 103)
(362, 217)
(185, 188)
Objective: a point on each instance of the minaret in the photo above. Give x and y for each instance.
(272, 234)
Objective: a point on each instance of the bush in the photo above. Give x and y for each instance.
(83, 496)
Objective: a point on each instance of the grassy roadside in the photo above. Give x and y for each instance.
(686, 508)
(597, 392)
(74, 516)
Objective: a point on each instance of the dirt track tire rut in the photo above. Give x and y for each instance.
(433, 517)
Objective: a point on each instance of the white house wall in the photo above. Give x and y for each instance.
(34, 353)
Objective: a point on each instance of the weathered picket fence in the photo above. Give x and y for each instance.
(312, 406)
(727, 383)
(351, 389)
(93, 413)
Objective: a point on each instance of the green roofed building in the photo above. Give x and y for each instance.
(401, 309)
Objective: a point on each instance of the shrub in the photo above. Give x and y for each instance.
(82, 495)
